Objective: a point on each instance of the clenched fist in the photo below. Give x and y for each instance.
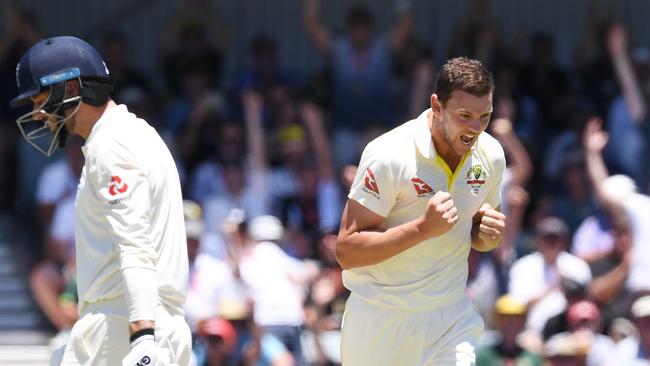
(440, 215)
(491, 226)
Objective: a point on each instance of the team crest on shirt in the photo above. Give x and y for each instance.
(370, 184)
(475, 178)
(422, 189)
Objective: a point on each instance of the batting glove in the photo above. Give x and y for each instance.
(144, 350)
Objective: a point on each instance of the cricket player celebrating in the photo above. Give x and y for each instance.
(424, 193)
(130, 236)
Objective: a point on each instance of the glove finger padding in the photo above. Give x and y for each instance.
(146, 352)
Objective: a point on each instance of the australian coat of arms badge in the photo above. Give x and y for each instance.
(475, 177)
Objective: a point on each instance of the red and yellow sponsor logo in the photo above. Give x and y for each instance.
(370, 184)
(421, 187)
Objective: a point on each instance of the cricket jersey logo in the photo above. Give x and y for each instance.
(475, 178)
(116, 186)
(421, 187)
(370, 184)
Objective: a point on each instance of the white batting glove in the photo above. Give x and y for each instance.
(145, 352)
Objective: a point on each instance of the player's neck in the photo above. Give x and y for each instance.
(443, 149)
(451, 158)
(87, 117)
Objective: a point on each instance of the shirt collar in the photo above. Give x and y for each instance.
(423, 139)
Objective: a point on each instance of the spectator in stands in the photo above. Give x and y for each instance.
(361, 70)
(52, 280)
(276, 281)
(476, 35)
(325, 305)
(511, 318)
(542, 78)
(195, 86)
(564, 349)
(264, 72)
(628, 112)
(217, 339)
(520, 167)
(192, 59)
(620, 197)
(17, 178)
(584, 323)
(315, 204)
(210, 141)
(574, 202)
(621, 328)
(246, 183)
(535, 279)
(515, 198)
(21, 31)
(210, 279)
(635, 350)
(56, 184)
(195, 39)
(234, 338)
(123, 75)
(574, 292)
(413, 76)
(610, 273)
(59, 180)
(593, 240)
(596, 77)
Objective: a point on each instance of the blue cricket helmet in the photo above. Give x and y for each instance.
(47, 67)
(54, 60)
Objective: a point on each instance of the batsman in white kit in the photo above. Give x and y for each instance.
(131, 250)
(424, 193)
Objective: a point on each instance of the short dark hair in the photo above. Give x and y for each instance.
(463, 74)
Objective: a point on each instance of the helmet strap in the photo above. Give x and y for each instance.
(62, 137)
(95, 93)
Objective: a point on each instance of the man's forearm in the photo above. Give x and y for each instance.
(606, 287)
(630, 87)
(365, 248)
(597, 172)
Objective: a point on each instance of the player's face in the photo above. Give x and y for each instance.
(463, 118)
(38, 101)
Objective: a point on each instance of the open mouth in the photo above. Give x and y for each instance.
(467, 139)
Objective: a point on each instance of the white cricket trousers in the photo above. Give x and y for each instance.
(101, 336)
(373, 335)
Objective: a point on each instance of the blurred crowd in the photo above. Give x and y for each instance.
(267, 157)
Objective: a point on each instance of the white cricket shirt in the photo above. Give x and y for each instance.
(399, 172)
(129, 211)
(637, 208)
(270, 276)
